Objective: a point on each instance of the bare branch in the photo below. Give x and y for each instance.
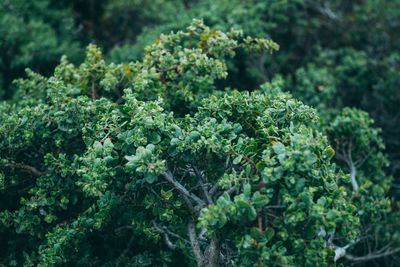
(212, 253)
(274, 207)
(169, 177)
(346, 157)
(232, 190)
(195, 245)
(167, 241)
(372, 256)
(166, 233)
(325, 10)
(193, 209)
(128, 247)
(341, 251)
(32, 170)
(214, 189)
(120, 230)
(361, 161)
(201, 236)
(353, 172)
(349, 151)
(201, 179)
(154, 192)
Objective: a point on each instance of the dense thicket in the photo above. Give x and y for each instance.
(332, 55)
(147, 156)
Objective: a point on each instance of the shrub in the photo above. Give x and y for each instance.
(145, 164)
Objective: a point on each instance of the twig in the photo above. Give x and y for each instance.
(372, 256)
(169, 177)
(28, 168)
(167, 232)
(202, 185)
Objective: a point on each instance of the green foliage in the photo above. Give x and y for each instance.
(354, 42)
(359, 145)
(155, 160)
(332, 55)
(84, 178)
(359, 150)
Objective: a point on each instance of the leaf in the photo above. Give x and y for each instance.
(149, 122)
(257, 234)
(247, 191)
(98, 148)
(222, 220)
(194, 136)
(154, 138)
(328, 153)
(237, 160)
(332, 214)
(321, 201)
(269, 233)
(237, 128)
(259, 200)
(278, 148)
(150, 178)
(241, 204)
(108, 143)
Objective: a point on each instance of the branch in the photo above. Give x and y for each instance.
(212, 253)
(126, 250)
(352, 166)
(206, 194)
(203, 186)
(232, 190)
(324, 10)
(214, 189)
(361, 161)
(169, 177)
(341, 251)
(201, 236)
(275, 207)
(194, 242)
(120, 230)
(166, 233)
(32, 170)
(353, 172)
(372, 256)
